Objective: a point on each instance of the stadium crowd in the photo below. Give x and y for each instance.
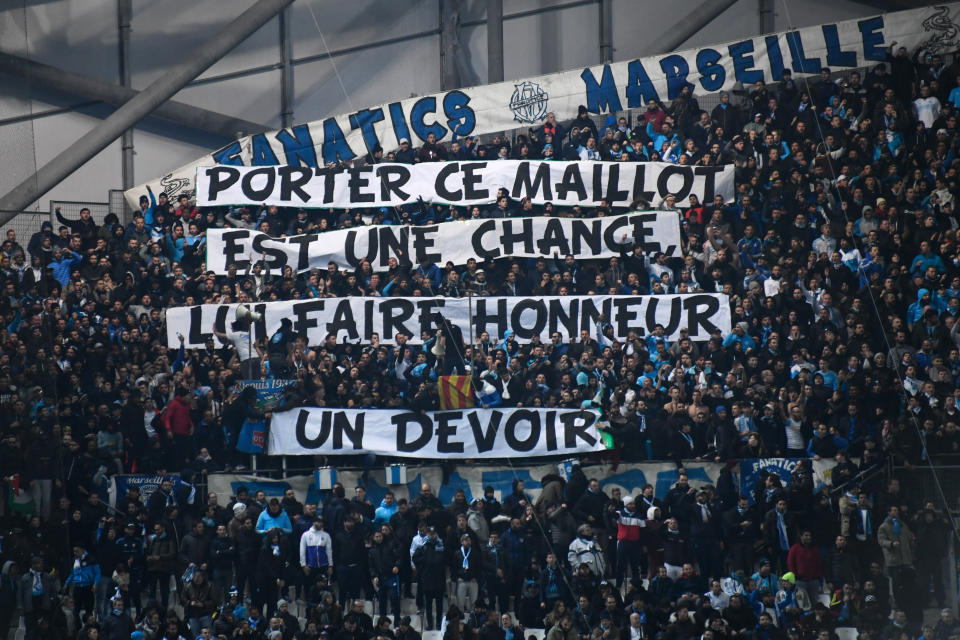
(841, 259)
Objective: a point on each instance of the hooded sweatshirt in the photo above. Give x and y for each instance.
(316, 549)
(384, 512)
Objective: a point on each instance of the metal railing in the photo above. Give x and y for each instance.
(118, 206)
(70, 209)
(920, 483)
(24, 225)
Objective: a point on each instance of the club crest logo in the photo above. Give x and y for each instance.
(529, 102)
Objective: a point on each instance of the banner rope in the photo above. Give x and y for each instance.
(333, 63)
(876, 309)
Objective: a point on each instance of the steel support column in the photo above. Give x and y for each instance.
(449, 44)
(767, 16)
(96, 89)
(494, 40)
(140, 107)
(124, 17)
(606, 31)
(688, 26)
(286, 70)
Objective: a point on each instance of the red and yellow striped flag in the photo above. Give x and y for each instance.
(456, 392)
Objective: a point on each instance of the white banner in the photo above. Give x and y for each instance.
(601, 89)
(357, 319)
(456, 242)
(629, 478)
(462, 183)
(465, 433)
(823, 473)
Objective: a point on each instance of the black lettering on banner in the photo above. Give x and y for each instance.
(369, 307)
(550, 429)
(221, 179)
(393, 323)
(539, 308)
(625, 316)
(317, 441)
(523, 186)
(264, 244)
(427, 307)
(446, 428)
(304, 322)
(563, 316)
(196, 334)
(709, 181)
(350, 247)
(639, 181)
(571, 182)
(471, 178)
(642, 230)
(220, 320)
(575, 426)
(597, 182)
(392, 177)
(485, 439)
(303, 254)
(233, 248)
(553, 238)
(389, 243)
(675, 314)
(403, 421)
(590, 315)
(266, 191)
(259, 327)
(675, 170)
(342, 427)
(700, 309)
(421, 243)
(611, 233)
(290, 185)
(589, 232)
(358, 180)
(614, 192)
(329, 183)
(476, 240)
(498, 317)
(508, 238)
(514, 419)
(440, 186)
(343, 320)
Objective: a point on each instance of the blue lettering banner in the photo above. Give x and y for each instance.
(602, 89)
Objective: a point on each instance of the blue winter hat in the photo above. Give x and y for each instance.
(720, 408)
(583, 379)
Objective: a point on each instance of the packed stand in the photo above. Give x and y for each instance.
(843, 212)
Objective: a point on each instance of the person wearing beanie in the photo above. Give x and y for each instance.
(630, 538)
(790, 601)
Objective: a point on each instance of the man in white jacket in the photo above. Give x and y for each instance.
(585, 550)
(316, 551)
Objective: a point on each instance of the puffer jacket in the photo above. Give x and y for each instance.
(587, 552)
(203, 593)
(162, 554)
